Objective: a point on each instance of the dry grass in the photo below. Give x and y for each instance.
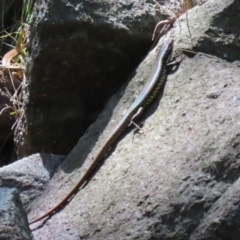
(173, 9)
(12, 64)
(12, 74)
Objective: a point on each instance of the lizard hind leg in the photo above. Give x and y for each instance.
(138, 128)
(139, 111)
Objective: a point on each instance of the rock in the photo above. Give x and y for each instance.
(180, 178)
(30, 175)
(13, 223)
(79, 55)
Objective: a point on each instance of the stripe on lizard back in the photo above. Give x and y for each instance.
(149, 92)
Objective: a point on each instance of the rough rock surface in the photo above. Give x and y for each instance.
(80, 53)
(180, 178)
(13, 223)
(29, 175)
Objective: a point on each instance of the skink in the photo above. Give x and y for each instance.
(149, 92)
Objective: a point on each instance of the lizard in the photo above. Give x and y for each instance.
(153, 85)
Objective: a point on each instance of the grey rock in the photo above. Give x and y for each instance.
(29, 175)
(13, 222)
(80, 53)
(180, 178)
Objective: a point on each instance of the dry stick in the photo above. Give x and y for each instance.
(6, 61)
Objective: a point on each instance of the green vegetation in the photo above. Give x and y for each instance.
(15, 16)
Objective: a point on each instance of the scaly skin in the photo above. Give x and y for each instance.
(149, 92)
